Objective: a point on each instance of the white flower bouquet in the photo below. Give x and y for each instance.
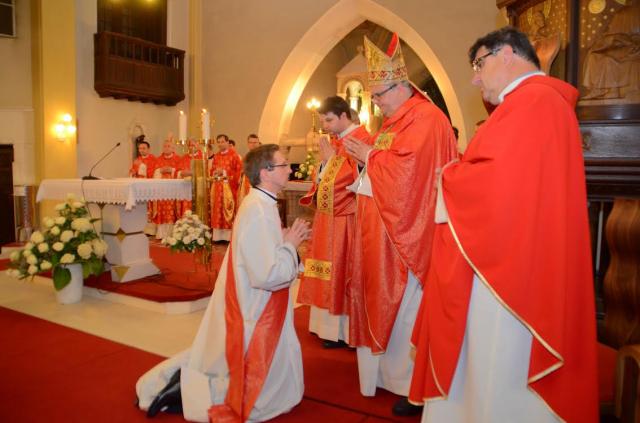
(66, 239)
(305, 171)
(189, 234)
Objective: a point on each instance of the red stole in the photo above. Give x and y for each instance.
(247, 370)
(518, 218)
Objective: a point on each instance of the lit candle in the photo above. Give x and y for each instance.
(182, 126)
(206, 127)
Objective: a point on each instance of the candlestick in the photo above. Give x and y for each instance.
(182, 127)
(206, 128)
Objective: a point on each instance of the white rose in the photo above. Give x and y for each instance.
(45, 265)
(188, 213)
(66, 236)
(60, 220)
(99, 247)
(200, 241)
(32, 270)
(71, 196)
(67, 258)
(28, 246)
(60, 207)
(15, 256)
(187, 239)
(191, 230)
(178, 235)
(32, 259)
(43, 247)
(172, 241)
(27, 253)
(85, 250)
(81, 224)
(55, 230)
(302, 166)
(207, 234)
(48, 222)
(77, 205)
(58, 246)
(15, 273)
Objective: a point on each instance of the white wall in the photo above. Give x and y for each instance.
(104, 121)
(16, 103)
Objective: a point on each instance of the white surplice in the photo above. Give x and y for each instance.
(263, 263)
(393, 369)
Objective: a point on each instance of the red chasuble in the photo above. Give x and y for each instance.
(165, 210)
(149, 164)
(248, 369)
(518, 219)
(395, 227)
(327, 267)
(224, 189)
(184, 205)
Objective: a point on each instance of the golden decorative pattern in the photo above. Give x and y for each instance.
(384, 141)
(120, 270)
(324, 194)
(597, 6)
(318, 269)
(382, 68)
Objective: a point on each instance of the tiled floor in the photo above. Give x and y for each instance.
(162, 334)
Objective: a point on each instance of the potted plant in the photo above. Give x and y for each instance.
(68, 246)
(191, 235)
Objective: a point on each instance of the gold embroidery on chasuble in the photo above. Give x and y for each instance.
(318, 269)
(228, 202)
(384, 141)
(324, 194)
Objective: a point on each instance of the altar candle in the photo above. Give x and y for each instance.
(206, 129)
(182, 126)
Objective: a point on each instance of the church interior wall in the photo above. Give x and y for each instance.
(102, 122)
(16, 103)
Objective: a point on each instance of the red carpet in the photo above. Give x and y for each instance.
(56, 374)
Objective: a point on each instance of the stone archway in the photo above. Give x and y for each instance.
(316, 43)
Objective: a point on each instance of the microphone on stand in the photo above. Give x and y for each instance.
(90, 177)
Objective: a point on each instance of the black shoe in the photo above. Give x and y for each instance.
(169, 399)
(404, 408)
(334, 344)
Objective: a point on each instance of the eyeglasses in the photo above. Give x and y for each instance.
(478, 62)
(273, 166)
(378, 96)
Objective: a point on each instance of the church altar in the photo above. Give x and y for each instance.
(121, 203)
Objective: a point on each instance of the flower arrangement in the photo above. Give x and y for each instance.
(305, 170)
(189, 234)
(66, 239)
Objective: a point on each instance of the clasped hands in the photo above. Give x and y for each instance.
(357, 149)
(297, 233)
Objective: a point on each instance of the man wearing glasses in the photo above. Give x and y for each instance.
(506, 331)
(396, 198)
(245, 362)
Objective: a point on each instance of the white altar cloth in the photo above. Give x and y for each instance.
(127, 191)
(122, 205)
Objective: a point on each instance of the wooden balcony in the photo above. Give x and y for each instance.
(137, 70)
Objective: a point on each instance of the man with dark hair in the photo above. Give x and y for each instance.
(245, 362)
(327, 265)
(144, 165)
(225, 168)
(396, 199)
(244, 185)
(506, 330)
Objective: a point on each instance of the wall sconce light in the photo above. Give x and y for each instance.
(64, 129)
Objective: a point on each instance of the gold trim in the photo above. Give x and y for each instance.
(537, 376)
(384, 140)
(121, 235)
(319, 269)
(324, 193)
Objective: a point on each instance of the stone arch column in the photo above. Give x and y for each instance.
(316, 43)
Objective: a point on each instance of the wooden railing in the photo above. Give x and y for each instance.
(137, 70)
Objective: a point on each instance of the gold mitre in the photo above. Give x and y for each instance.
(387, 68)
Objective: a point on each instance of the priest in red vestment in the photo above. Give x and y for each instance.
(225, 168)
(244, 185)
(396, 196)
(193, 153)
(327, 270)
(164, 211)
(144, 165)
(506, 330)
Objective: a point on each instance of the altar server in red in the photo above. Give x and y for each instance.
(225, 167)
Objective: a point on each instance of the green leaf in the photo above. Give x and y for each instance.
(61, 277)
(86, 270)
